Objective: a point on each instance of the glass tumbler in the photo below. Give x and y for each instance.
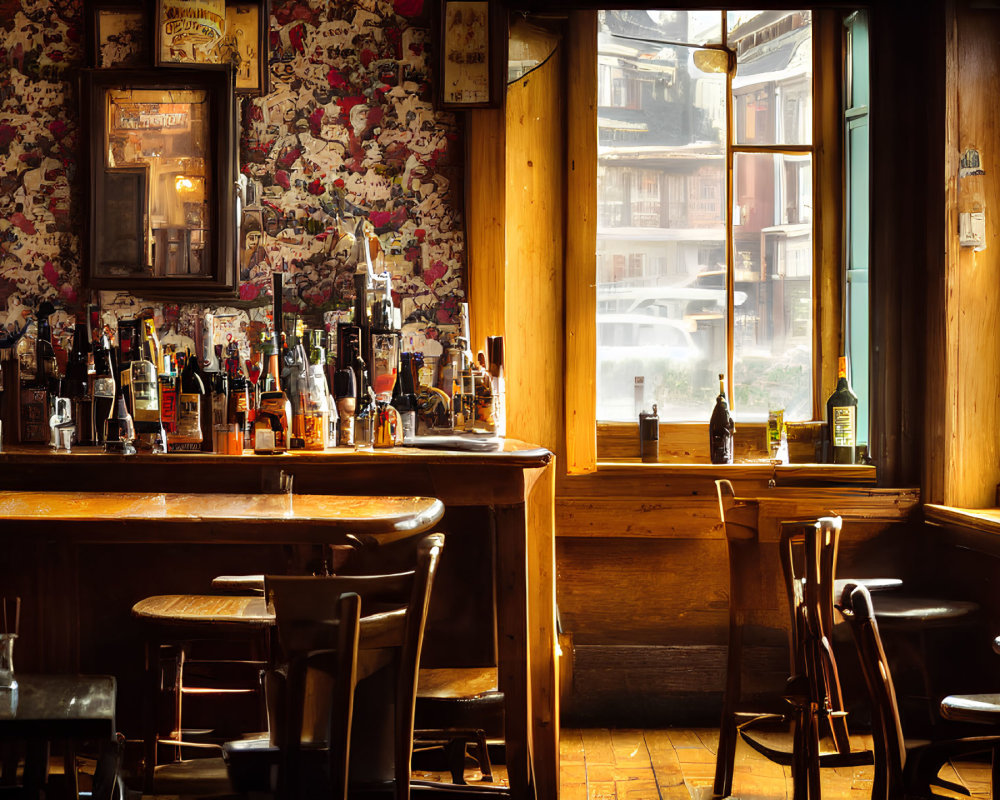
(7, 661)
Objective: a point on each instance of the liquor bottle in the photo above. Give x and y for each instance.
(104, 386)
(237, 411)
(77, 386)
(313, 396)
(346, 394)
(220, 410)
(47, 376)
(119, 429)
(842, 419)
(143, 384)
(188, 434)
(494, 357)
(721, 428)
(34, 411)
(274, 414)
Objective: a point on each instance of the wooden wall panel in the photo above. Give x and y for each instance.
(972, 374)
(643, 588)
(485, 188)
(534, 254)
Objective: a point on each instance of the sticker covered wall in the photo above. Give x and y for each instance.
(347, 133)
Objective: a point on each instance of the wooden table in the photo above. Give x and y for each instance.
(507, 496)
(67, 708)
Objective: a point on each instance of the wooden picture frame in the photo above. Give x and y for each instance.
(203, 226)
(120, 241)
(471, 54)
(119, 34)
(191, 33)
(246, 45)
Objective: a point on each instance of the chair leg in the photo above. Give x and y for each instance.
(455, 756)
(69, 768)
(149, 714)
(726, 752)
(483, 755)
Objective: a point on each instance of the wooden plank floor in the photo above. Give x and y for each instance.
(679, 764)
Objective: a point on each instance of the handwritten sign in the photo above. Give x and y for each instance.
(188, 31)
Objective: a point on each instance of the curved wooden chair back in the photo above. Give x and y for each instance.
(322, 636)
(301, 608)
(808, 560)
(887, 734)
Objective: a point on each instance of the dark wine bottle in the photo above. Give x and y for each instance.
(842, 419)
(721, 428)
(47, 370)
(76, 385)
(104, 386)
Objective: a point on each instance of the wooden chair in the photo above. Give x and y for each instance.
(395, 607)
(316, 634)
(903, 768)
(813, 670)
(808, 556)
(455, 706)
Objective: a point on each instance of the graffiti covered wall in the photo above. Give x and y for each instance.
(347, 131)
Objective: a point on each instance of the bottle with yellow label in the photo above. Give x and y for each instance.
(842, 419)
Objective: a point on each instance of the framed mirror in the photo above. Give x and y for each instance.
(161, 170)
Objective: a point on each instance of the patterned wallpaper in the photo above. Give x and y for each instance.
(347, 132)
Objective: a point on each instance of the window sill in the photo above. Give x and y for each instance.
(783, 474)
(986, 520)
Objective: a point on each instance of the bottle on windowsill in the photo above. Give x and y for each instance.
(721, 428)
(842, 419)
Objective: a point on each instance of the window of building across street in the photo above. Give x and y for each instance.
(705, 256)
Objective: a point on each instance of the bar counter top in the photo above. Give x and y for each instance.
(514, 453)
(353, 514)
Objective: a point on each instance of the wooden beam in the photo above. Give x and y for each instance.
(485, 189)
(534, 248)
(580, 412)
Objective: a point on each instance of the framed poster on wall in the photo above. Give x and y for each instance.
(471, 54)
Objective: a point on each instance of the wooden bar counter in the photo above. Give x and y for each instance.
(79, 574)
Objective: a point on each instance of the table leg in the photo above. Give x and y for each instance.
(512, 645)
(544, 663)
(69, 770)
(36, 767)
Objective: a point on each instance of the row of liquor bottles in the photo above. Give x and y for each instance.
(841, 418)
(842, 424)
(351, 386)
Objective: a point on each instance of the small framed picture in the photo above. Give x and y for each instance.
(120, 35)
(246, 44)
(216, 32)
(471, 52)
(188, 31)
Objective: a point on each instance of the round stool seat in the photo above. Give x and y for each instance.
(202, 609)
(983, 708)
(891, 608)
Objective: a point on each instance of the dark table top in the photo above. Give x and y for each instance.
(59, 707)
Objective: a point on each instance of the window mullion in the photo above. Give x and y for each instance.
(730, 269)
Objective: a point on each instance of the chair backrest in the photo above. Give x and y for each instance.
(324, 637)
(739, 519)
(808, 560)
(887, 734)
(299, 604)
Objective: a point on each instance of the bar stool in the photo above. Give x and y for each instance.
(807, 626)
(176, 622)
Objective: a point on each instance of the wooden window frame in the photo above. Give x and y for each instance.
(588, 442)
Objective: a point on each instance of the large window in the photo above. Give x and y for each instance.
(705, 213)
